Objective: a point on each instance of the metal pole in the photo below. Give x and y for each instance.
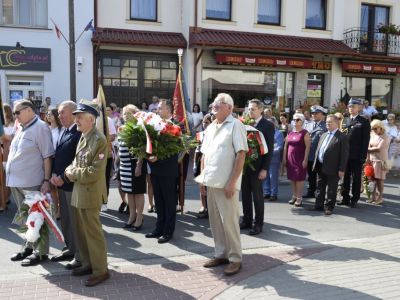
(72, 71)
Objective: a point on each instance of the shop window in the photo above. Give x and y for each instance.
(316, 14)
(27, 13)
(273, 88)
(144, 10)
(218, 9)
(269, 12)
(377, 91)
(315, 89)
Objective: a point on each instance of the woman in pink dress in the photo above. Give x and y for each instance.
(377, 155)
(295, 157)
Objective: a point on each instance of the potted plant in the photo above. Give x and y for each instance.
(388, 28)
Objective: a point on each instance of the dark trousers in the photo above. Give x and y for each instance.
(108, 173)
(325, 181)
(353, 176)
(183, 170)
(165, 199)
(252, 191)
(312, 178)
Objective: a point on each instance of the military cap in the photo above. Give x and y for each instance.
(86, 106)
(317, 108)
(354, 101)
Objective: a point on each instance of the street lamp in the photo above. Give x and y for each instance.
(180, 53)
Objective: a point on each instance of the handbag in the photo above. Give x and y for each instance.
(387, 165)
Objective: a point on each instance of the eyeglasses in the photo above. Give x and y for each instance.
(297, 120)
(17, 112)
(375, 128)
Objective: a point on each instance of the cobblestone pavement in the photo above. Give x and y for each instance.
(300, 255)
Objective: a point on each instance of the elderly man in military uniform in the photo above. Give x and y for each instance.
(358, 136)
(89, 192)
(318, 127)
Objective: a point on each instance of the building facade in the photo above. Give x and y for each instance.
(288, 53)
(34, 63)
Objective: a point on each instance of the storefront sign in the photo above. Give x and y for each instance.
(355, 67)
(29, 59)
(248, 60)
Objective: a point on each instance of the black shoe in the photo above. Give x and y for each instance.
(328, 212)
(122, 207)
(267, 197)
(153, 235)
(128, 225)
(202, 214)
(273, 198)
(137, 228)
(244, 225)
(150, 209)
(164, 238)
(126, 210)
(22, 255)
(353, 204)
(62, 257)
(33, 260)
(257, 229)
(73, 264)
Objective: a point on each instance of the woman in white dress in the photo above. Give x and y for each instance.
(393, 132)
(197, 118)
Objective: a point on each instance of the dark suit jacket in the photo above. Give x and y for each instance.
(267, 128)
(335, 155)
(359, 131)
(65, 153)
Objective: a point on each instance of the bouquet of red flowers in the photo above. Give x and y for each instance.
(255, 142)
(148, 134)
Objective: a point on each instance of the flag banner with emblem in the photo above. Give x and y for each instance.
(182, 112)
(89, 26)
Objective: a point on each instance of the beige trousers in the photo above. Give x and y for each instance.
(224, 222)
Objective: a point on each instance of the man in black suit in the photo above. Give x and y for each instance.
(252, 179)
(359, 131)
(164, 174)
(65, 153)
(330, 164)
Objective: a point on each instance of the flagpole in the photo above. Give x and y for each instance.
(84, 29)
(180, 53)
(62, 34)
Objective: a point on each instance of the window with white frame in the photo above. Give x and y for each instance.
(28, 13)
(316, 14)
(218, 9)
(269, 12)
(144, 10)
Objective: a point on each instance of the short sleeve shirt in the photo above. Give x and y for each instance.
(30, 146)
(220, 145)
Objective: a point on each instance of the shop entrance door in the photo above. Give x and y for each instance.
(18, 89)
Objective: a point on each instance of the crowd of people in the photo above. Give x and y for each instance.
(59, 150)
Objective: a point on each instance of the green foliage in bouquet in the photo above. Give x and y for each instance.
(164, 144)
(253, 153)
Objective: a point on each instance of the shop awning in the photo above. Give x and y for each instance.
(369, 68)
(138, 38)
(201, 37)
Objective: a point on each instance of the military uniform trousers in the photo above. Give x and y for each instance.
(223, 214)
(90, 239)
(353, 176)
(67, 223)
(19, 197)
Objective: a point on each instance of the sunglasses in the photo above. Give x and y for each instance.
(17, 112)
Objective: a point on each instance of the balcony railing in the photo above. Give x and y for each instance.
(372, 42)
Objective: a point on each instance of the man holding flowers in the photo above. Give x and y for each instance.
(224, 149)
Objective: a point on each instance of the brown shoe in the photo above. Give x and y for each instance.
(232, 268)
(213, 262)
(81, 271)
(95, 280)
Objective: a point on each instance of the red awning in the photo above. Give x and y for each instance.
(201, 37)
(138, 38)
(364, 67)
